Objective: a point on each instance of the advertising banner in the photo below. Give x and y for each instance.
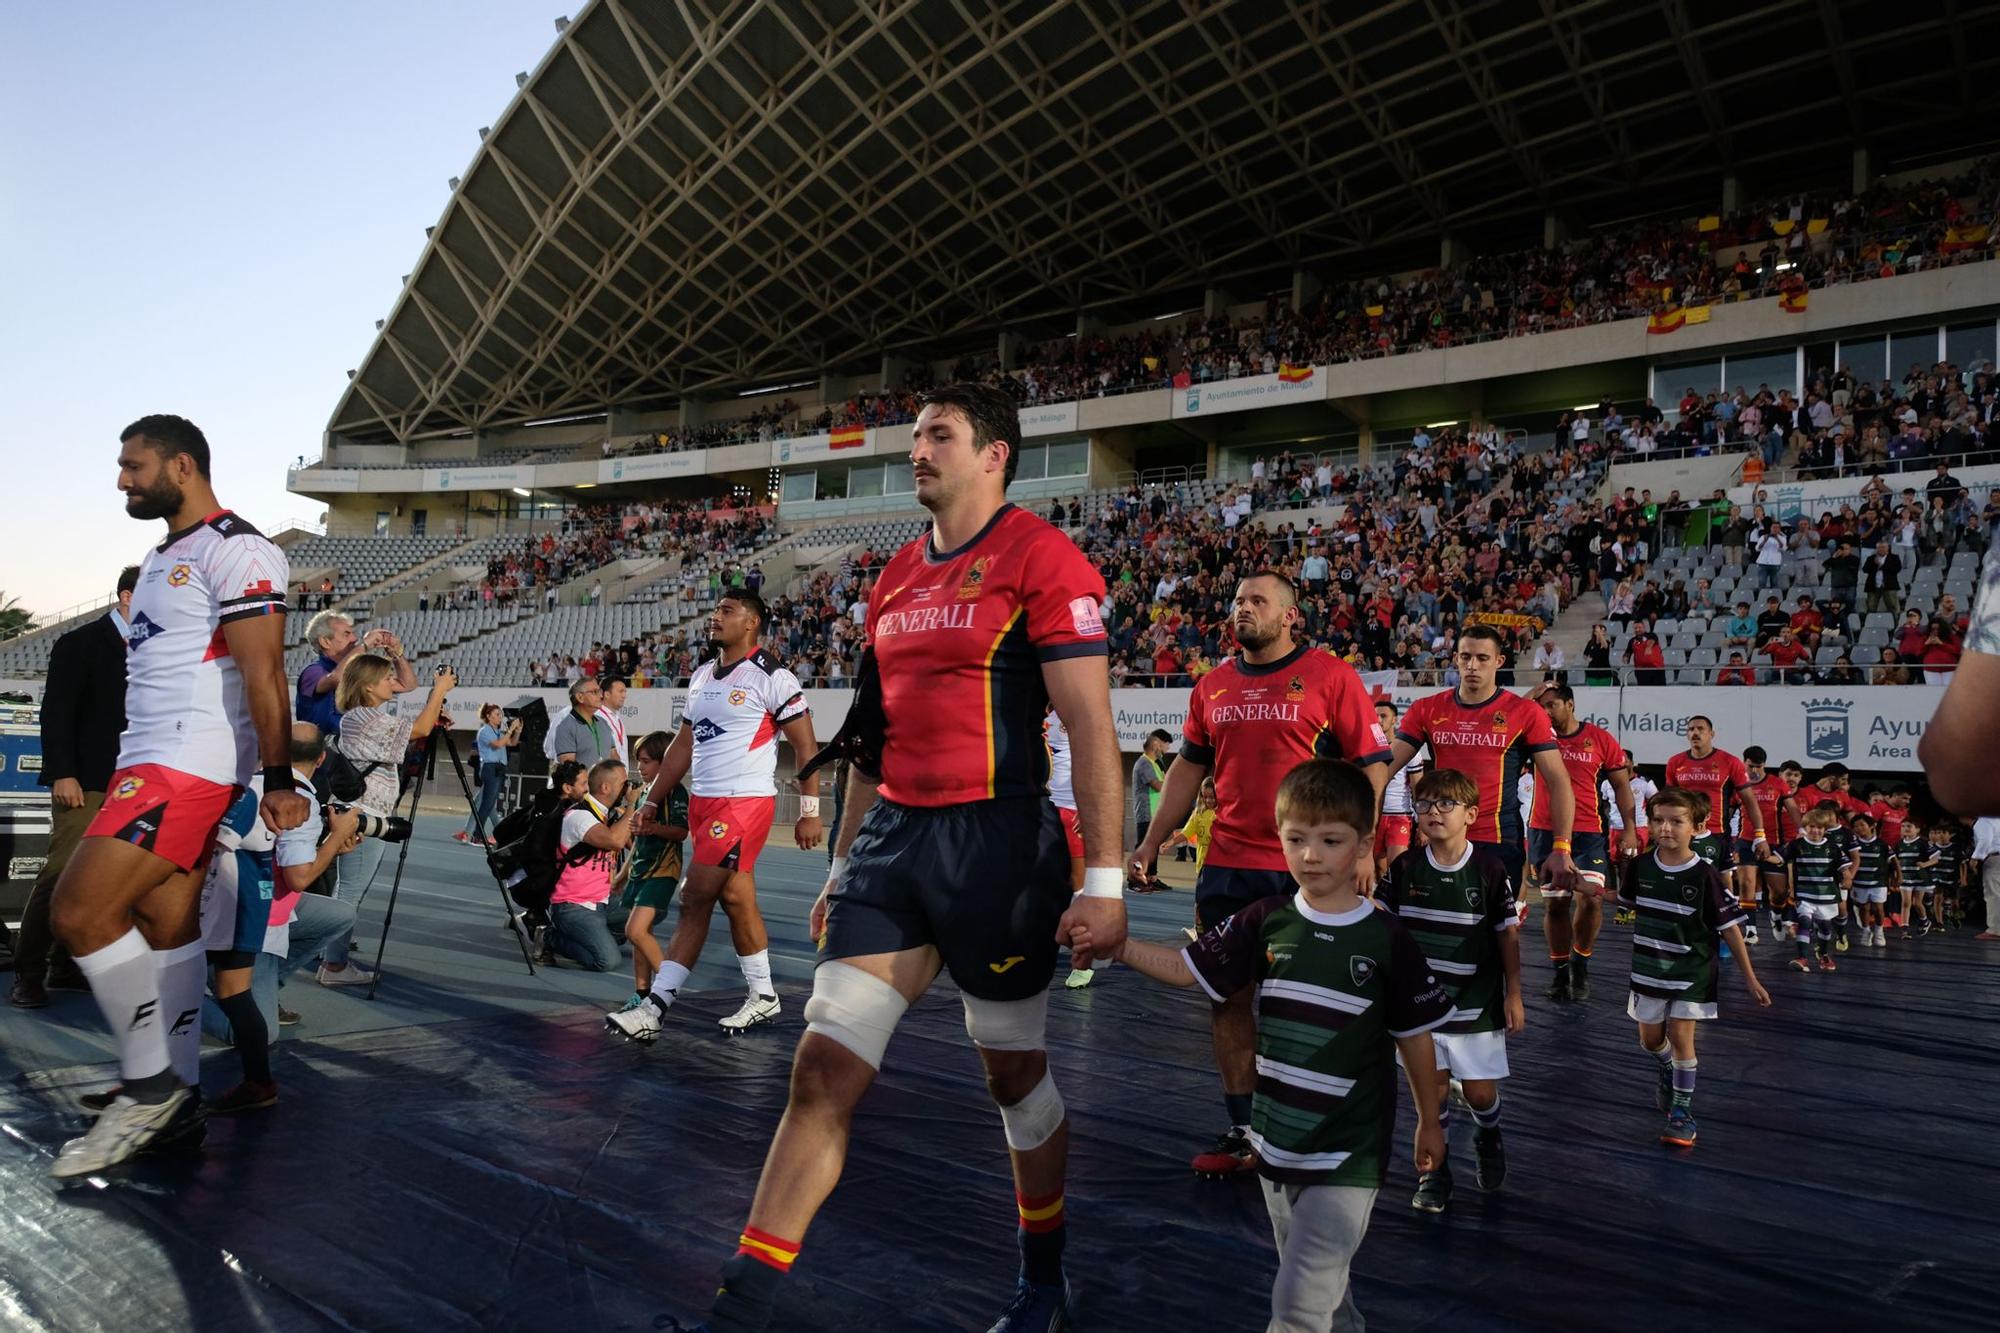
(643, 467)
(474, 478)
(1048, 419)
(1248, 394)
(1813, 498)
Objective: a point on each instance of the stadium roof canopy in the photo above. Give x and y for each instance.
(693, 196)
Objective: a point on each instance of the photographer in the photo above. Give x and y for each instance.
(577, 928)
(373, 737)
(496, 737)
(332, 637)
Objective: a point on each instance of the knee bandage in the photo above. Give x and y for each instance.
(1030, 1121)
(855, 1009)
(1008, 1025)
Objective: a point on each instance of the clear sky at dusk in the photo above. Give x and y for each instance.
(203, 210)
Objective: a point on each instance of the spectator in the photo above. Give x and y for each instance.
(1892, 671)
(1645, 654)
(611, 712)
(374, 738)
(83, 712)
(1842, 672)
(1741, 632)
(1941, 651)
(577, 927)
(1597, 657)
(1843, 570)
(496, 736)
(332, 636)
(1548, 657)
(581, 734)
(1771, 548)
(1149, 778)
(1786, 653)
(1737, 672)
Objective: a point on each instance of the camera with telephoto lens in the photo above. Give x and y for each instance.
(389, 828)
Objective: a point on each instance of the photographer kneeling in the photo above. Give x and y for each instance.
(577, 927)
(373, 737)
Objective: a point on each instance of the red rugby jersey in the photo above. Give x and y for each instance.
(1771, 795)
(1718, 776)
(1588, 753)
(960, 638)
(1490, 742)
(1252, 724)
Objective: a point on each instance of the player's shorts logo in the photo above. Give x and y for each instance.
(1008, 963)
(1361, 968)
(975, 577)
(718, 830)
(737, 698)
(127, 788)
(179, 577)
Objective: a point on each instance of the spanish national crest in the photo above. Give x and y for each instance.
(975, 577)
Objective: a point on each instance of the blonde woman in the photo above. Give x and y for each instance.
(374, 733)
(1621, 603)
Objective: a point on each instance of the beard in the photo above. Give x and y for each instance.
(160, 500)
(1255, 639)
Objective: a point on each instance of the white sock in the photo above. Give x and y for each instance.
(666, 982)
(126, 986)
(756, 971)
(183, 972)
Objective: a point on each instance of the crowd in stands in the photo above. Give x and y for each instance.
(592, 536)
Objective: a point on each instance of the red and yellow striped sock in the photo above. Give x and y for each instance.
(1043, 1214)
(1041, 1237)
(767, 1249)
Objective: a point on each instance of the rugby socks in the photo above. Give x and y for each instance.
(751, 1281)
(667, 983)
(1664, 1052)
(183, 972)
(1579, 964)
(253, 1039)
(1238, 1105)
(1683, 1083)
(1560, 961)
(126, 986)
(757, 972)
(1804, 939)
(1488, 1118)
(1043, 1231)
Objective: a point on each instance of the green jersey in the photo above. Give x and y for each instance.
(1874, 864)
(1912, 855)
(653, 857)
(1816, 870)
(1456, 913)
(1708, 846)
(1943, 876)
(1334, 991)
(1678, 913)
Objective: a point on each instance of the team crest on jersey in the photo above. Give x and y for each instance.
(1295, 689)
(1472, 897)
(1688, 892)
(737, 698)
(718, 830)
(975, 577)
(1361, 969)
(179, 576)
(1499, 719)
(127, 788)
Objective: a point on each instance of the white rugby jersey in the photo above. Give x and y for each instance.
(1396, 791)
(184, 703)
(1643, 790)
(735, 716)
(1061, 789)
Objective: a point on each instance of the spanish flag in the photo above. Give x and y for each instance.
(1814, 226)
(1374, 311)
(1709, 223)
(1666, 321)
(1696, 314)
(1793, 303)
(1291, 374)
(1964, 238)
(1783, 226)
(847, 437)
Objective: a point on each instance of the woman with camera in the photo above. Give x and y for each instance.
(373, 737)
(496, 736)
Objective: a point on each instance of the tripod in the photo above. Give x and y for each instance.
(424, 770)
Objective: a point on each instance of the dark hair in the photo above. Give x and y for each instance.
(1679, 798)
(128, 578)
(1702, 718)
(1560, 691)
(748, 599)
(653, 746)
(991, 414)
(1754, 754)
(1162, 736)
(1449, 784)
(168, 435)
(563, 773)
(606, 682)
(1327, 791)
(1481, 630)
(1284, 581)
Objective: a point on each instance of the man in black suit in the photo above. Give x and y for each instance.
(83, 714)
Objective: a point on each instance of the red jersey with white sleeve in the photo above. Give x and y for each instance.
(1588, 753)
(960, 638)
(1718, 775)
(185, 707)
(735, 712)
(1250, 724)
(1492, 743)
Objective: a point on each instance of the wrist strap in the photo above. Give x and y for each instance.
(280, 778)
(837, 869)
(1103, 882)
(1561, 844)
(808, 807)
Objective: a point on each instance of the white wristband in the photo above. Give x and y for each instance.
(838, 868)
(1103, 882)
(808, 807)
